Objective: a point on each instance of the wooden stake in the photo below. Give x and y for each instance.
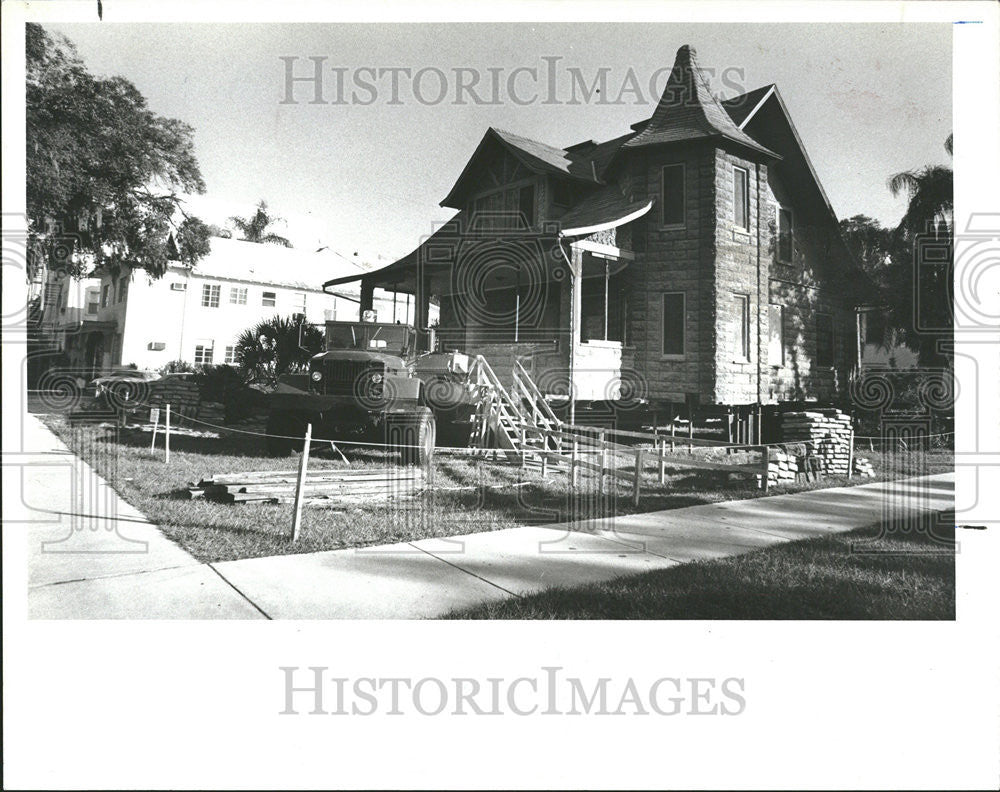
(572, 464)
(850, 454)
(166, 436)
(300, 485)
(766, 454)
(663, 461)
(156, 422)
(638, 476)
(604, 464)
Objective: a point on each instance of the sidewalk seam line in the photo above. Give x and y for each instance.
(233, 587)
(466, 571)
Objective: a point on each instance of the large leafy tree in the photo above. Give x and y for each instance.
(254, 228)
(274, 347)
(104, 173)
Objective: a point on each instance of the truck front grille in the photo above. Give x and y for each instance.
(343, 377)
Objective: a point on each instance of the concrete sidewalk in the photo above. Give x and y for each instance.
(91, 555)
(430, 577)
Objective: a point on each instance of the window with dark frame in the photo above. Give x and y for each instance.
(507, 209)
(785, 238)
(741, 335)
(562, 193)
(122, 288)
(203, 353)
(269, 299)
(210, 293)
(673, 323)
(824, 340)
(741, 198)
(105, 294)
(672, 195)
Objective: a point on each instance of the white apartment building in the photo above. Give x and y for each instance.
(196, 314)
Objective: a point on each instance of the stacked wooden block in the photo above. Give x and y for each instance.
(183, 396)
(783, 467)
(826, 435)
(212, 412)
(863, 467)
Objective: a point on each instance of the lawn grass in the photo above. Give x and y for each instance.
(467, 495)
(881, 572)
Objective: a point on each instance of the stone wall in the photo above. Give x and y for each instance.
(740, 271)
(674, 260)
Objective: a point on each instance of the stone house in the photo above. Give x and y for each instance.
(693, 260)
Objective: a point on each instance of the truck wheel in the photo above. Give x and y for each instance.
(417, 439)
(285, 425)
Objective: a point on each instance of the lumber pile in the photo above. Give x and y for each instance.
(322, 487)
(826, 435)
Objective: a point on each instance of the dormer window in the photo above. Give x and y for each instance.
(562, 194)
(512, 208)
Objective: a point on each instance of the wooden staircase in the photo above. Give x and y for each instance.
(506, 417)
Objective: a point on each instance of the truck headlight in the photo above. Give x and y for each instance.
(376, 379)
(316, 376)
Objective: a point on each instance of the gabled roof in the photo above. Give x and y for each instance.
(689, 111)
(535, 156)
(743, 109)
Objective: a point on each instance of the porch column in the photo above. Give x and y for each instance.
(367, 297)
(422, 312)
(575, 312)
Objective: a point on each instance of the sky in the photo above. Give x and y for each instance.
(365, 172)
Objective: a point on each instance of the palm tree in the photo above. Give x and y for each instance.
(254, 229)
(929, 218)
(931, 194)
(273, 347)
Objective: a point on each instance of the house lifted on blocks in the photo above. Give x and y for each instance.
(693, 262)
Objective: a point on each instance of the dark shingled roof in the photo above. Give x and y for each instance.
(605, 208)
(544, 157)
(688, 111)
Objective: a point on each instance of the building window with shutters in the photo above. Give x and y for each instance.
(210, 295)
(741, 199)
(672, 190)
(672, 324)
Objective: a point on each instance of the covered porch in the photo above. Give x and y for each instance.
(553, 298)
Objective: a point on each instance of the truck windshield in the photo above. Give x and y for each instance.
(394, 339)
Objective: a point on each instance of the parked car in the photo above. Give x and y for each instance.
(124, 388)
